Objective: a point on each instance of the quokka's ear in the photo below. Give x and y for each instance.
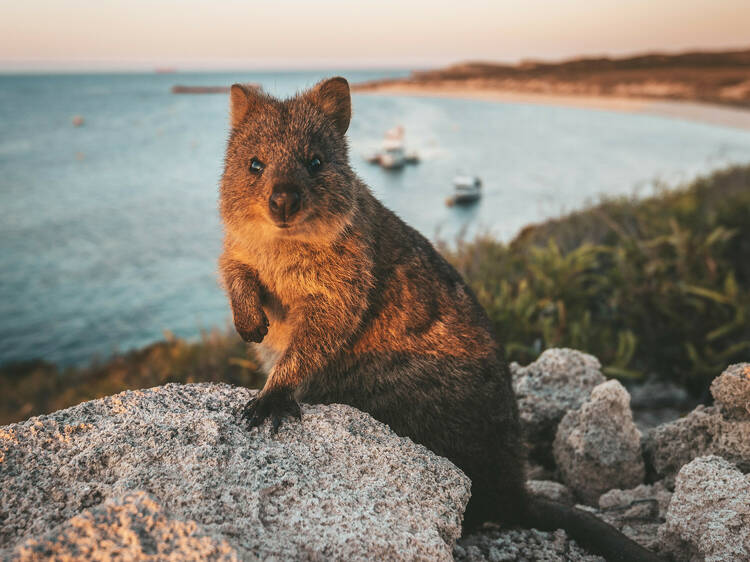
(242, 99)
(332, 96)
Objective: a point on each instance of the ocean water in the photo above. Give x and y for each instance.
(109, 232)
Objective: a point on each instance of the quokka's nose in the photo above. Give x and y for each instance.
(284, 204)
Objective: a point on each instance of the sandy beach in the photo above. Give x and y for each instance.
(725, 116)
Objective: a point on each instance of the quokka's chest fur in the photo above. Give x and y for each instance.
(293, 273)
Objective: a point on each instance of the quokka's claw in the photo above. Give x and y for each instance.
(274, 404)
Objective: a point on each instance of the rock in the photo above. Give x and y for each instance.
(723, 429)
(656, 495)
(704, 431)
(598, 447)
(558, 381)
(731, 390)
(129, 528)
(637, 512)
(550, 490)
(499, 545)
(172, 469)
(709, 515)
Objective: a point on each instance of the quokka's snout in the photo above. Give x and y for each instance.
(284, 203)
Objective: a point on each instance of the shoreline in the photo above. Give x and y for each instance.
(700, 112)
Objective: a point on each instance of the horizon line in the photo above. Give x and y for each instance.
(114, 66)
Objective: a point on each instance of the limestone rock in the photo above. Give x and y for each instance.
(598, 447)
(704, 431)
(511, 545)
(731, 390)
(558, 381)
(637, 512)
(175, 470)
(709, 515)
(131, 528)
(723, 429)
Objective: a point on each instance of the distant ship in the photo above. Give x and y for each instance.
(466, 190)
(165, 70)
(393, 154)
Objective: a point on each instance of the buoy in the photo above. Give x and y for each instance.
(77, 121)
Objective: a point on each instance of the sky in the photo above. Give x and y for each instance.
(284, 34)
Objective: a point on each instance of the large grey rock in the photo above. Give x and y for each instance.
(637, 512)
(172, 469)
(709, 515)
(598, 447)
(731, 390)
(511, 545)
(558, 381)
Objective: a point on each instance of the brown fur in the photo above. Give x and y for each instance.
(359, 308)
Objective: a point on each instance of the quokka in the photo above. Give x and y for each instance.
(348, 304)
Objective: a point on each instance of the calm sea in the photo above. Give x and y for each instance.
(109, 232)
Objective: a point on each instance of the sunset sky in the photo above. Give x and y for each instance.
(205, 34)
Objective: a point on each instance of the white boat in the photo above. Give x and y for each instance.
(466, 190)
(393, 155)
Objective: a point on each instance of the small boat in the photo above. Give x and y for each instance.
(466, 190)
(393, 155)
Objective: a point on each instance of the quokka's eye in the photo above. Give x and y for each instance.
(256, 166)
(314, 164)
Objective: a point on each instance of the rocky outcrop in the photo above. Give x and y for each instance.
(637, 512)
(510, 545)
(558, 381)
(709, 515)
(598, 447)
(172, 471)
(722, 429)
(731, 390)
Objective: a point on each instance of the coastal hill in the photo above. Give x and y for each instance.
(709, 77)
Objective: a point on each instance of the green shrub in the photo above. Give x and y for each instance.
(658, 286)
(37, 387)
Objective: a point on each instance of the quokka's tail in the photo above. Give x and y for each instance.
(586, 529)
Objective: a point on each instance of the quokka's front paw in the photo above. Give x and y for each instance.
(275, 404)
(253, 328)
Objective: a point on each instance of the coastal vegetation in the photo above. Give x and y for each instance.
(38, 387)
(656, 287)
(652, 287)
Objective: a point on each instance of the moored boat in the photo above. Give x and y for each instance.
(393, 154)
(466, 190)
